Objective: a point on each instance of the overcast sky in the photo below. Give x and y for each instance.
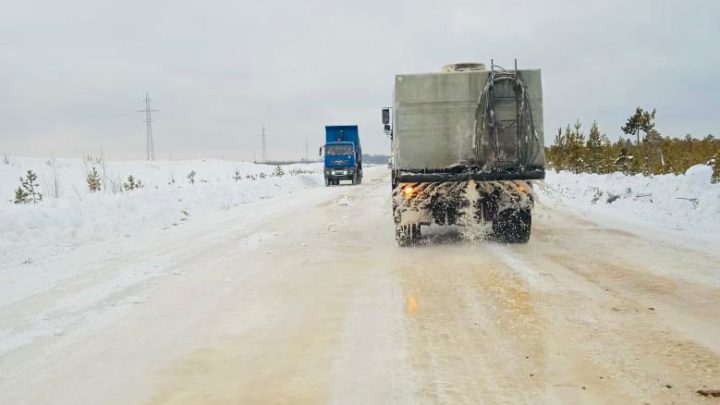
(74, 72)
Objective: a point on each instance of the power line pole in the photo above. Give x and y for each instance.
(307, 156)
(264, 145)
(149, 144)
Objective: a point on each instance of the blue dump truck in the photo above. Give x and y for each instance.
(343, 155)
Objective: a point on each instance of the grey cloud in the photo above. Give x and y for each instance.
(73, 73)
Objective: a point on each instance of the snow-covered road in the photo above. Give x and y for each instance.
(306, 298)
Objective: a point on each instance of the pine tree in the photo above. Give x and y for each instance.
(21, 196)
(575, 148)
(278, 172)
(132, 183)
(716, 168)
(28, 189)
(640, 121)
(594, 145)
(93, 180)
(555, 152)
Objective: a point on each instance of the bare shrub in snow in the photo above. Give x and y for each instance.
(92, 160)
(262, 175)
(191, 177)
(236, 175)
(6, 160)
(93, 180)
(295, 172)
(278, 172)
(27, 192)
(132, 183)
(116, 185)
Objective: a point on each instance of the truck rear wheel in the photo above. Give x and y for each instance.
(407, 235)
(513, 226)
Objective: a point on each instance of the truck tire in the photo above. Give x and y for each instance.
(327, 182)
(407, 235)
(513, 226)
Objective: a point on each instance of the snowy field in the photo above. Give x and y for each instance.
(70, 215)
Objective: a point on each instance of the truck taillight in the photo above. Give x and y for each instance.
(408, 191)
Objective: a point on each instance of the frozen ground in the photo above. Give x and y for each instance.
(306, 298)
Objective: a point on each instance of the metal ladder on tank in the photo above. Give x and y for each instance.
(498, 131)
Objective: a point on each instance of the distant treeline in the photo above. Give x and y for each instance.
(649, 153)
(376, 159)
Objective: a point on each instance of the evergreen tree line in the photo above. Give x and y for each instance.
(648, 153)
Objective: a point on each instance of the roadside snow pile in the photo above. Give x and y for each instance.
(687, 201)
(172, 192)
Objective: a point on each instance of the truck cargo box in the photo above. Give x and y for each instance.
(456, 121)
(342, 133)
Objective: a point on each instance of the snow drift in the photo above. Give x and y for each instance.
(673, 202)
(70, 214)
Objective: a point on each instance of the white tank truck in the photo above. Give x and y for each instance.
(465, 144)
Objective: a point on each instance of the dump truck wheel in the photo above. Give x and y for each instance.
(513, 226)
(407, 235)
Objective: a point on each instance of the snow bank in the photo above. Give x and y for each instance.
(685, 202)
(70, 215)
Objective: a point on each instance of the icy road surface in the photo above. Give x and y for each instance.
(307, 299)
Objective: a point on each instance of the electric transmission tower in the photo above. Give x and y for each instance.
(263, 142)
(149, 145)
